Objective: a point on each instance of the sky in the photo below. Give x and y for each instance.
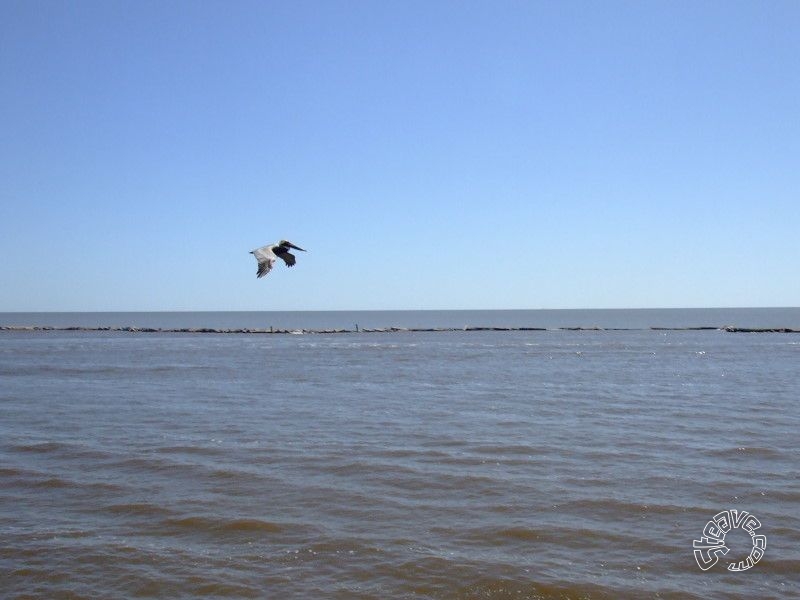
(427, 154)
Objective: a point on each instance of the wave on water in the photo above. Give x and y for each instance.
(86, 370)
(212, 524)
(69, 450)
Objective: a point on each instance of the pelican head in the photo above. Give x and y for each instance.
(289, 244)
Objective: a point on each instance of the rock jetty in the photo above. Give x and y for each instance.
(758, 330)
(272, 330)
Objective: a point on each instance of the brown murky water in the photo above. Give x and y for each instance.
(551, 464)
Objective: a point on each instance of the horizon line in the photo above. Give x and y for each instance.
(771, 307)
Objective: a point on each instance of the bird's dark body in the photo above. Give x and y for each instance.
(283, 253)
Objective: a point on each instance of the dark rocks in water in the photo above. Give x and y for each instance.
(272, 330)
(703, 328)
(731, 329)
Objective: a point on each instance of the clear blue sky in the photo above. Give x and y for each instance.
(427, 154)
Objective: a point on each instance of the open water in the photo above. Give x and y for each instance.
(481, 464)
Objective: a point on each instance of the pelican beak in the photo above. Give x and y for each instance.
(291, 245)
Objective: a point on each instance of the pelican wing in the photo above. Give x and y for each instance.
(265, 258)
(264, 266)
(287, 257)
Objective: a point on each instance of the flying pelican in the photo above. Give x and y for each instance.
(266, 256)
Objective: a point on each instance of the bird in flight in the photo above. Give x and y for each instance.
(266, 256)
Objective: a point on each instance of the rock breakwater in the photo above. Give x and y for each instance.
(273, 330)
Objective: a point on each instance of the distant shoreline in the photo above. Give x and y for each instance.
(273, 330)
